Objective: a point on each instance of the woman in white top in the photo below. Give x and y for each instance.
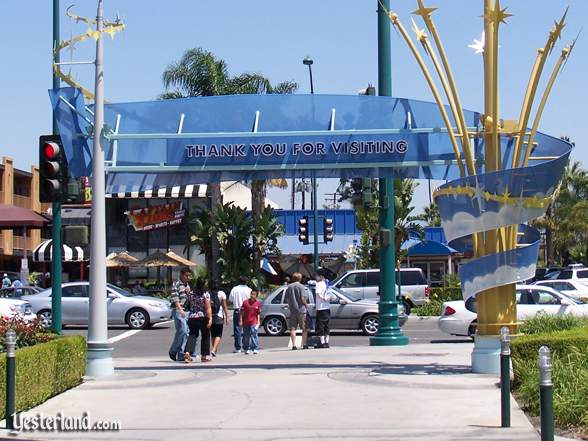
(323, 312)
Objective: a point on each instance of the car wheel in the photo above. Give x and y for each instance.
(137, 318)
(407, 306)
(370, 324)
(275, 326)
(46, 318)
(472, 329)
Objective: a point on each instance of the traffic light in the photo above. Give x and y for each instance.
(52, 168)
(366, 192)
(327, 229)
(303, 230)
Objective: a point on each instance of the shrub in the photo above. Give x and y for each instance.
(45, 370)
(431, 308)
(27, 333)
(544, 323)
(570, 374)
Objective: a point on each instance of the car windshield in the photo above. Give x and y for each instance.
(571, 299)
(120, 291)
(348, 296)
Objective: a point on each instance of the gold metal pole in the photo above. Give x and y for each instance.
(556, 70)
(453, 95)
(396, 22)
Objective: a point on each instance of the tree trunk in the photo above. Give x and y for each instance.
(258, 194)
(214, 192)
(549, 241)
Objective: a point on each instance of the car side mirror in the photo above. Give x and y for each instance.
(565, 302)
(111, 296)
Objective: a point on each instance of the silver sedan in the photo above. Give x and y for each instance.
(347, 312)
(137, 312)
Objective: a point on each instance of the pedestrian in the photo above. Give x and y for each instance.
(17, 285)
(296, 299)
(178, 299)
(238, 295)
(220, 315)
(199, 322)
(286, 281)
(323, 312)
(6, 283)
(250, 311)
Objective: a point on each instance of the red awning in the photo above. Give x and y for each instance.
(12, 216)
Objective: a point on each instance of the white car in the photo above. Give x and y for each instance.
(11, 307)
(571, 288)
(575, 271)
(460, 318)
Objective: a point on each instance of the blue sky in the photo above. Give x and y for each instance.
(272, 37)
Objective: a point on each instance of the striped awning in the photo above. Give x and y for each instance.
(178, 191)
(43, 251)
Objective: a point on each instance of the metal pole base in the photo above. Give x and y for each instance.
(486, 354)
(100, 363)
(389, 340)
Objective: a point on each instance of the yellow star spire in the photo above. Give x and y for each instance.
(497, 15)
(419, 33)
(558, 27)
(424, 11)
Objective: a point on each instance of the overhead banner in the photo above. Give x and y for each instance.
(159, 216)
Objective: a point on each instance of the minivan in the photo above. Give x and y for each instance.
(365, 284)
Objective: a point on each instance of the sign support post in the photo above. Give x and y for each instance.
(389, 333)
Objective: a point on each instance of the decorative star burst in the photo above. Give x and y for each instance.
(478, 45)
(497, 15)
(558, 27)
(419, 33)
(424, 11)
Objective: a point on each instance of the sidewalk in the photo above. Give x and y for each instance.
(416, 392)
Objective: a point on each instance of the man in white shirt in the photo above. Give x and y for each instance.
(323, 312)
(238, 295)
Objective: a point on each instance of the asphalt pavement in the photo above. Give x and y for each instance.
(156, 340)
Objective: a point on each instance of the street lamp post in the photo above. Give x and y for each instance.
(308, 62)
(100, 362)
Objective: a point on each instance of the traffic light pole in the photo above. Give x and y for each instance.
(56, 207)
(389, 333)
(315, 224)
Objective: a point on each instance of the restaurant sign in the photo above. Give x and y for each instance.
(160, 216)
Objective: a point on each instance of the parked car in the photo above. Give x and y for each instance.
(11, 307)
(365, 284)
(575, 271)
(571, 288)
(347, 312)
(137, 312)
(15, 293)
(460, 318)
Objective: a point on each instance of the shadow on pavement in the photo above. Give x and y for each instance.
(375, 368)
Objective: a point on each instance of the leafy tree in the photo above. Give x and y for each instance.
(430, 215)
(200, 73)
(237, 235)
(368, 220)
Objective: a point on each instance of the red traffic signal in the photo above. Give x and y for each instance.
(53, 169)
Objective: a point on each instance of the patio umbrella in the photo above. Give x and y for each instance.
(159, 258)
(180, 259)
(293, 264)
(120, 260)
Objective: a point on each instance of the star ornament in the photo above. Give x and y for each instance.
(420, 33)
(478, 45)
(559, 26)
(424, 11)
(497, 15)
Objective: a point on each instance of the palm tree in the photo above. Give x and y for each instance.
(200, 73)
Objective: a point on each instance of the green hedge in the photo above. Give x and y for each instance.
(570, 375)
(436, 299)
(45, 370)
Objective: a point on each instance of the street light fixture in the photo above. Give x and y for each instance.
(308, 62)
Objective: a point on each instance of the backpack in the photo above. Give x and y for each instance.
(215, 304)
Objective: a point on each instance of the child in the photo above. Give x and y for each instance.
(250, 311)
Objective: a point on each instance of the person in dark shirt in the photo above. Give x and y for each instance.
(296, 299)
(179, 294)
